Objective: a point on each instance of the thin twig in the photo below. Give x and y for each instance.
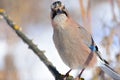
(35, 49)
(86, 14)
(113, 10)
(31, 45)
(89, 21)
(83, 12)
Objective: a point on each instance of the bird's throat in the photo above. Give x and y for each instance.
(60, 19)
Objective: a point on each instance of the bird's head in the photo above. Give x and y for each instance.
(57, 9)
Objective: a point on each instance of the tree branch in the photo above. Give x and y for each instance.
(33, 47)
(86, 14)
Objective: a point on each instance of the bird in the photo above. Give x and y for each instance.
(74, 43)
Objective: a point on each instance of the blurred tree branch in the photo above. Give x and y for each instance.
(108, 41)
(118, 4)
(89, 15)
(34, 48)
(86, 14)
(113, 10)
(83, 11)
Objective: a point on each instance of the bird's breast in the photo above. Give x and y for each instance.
(60, 20)
(71, 48)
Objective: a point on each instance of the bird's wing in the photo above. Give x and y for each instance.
(86, 36)
(88, 40)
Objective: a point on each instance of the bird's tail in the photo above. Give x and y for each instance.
(108, 70)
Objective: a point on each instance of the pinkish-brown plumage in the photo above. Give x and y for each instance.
(75, 44)
(72, 42)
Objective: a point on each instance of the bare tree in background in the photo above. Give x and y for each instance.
(86, 14)
(11, 72)
(31, 11)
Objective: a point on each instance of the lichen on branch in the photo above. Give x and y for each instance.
(34, 47)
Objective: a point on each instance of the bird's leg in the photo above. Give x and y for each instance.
(67, 74)
(81, 73)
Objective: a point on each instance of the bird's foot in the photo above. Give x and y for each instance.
(81, 73)
(67, 74)
(79, 78)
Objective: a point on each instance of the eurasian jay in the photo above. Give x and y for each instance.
(74, 43)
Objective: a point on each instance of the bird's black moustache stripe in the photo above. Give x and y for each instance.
(54, 13)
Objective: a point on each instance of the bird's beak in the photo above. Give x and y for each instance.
(59, 11)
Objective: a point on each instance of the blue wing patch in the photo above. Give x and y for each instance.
(93, 48)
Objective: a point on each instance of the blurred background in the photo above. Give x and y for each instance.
(100, 17)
